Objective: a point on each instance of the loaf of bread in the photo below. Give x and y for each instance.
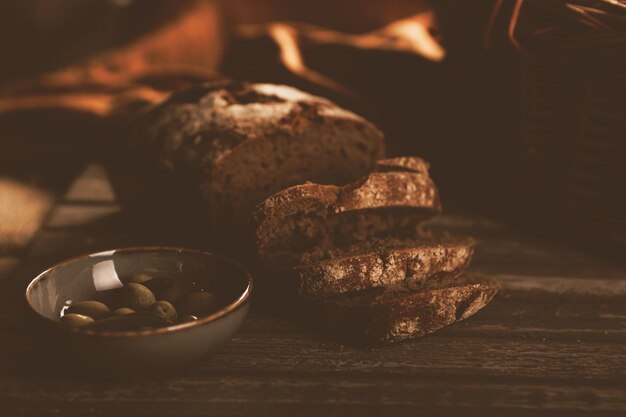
(238, 143)
(332, 220)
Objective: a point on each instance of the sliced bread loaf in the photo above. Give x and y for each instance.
(320, 217)
(241, 142)
(357, 252)
(406, 311)
(381, 262)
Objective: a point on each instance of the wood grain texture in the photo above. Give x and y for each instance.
(552, 343)
(18, 226)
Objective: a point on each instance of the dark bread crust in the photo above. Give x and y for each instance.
(396, 185)
(307, 197)
(404, 312)
(322, 210)
(389, 190)
(375, 264)
(175, 127)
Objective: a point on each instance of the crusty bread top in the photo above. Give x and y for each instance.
(394, 188)
(217, 116)
(305, 197)
(403, 163)
(389, 189)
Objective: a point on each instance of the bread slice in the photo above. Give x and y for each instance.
(381, 262)
(238, 143)
(406, 311)
(314, 216)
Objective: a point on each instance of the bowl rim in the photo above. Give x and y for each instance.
(239, 302)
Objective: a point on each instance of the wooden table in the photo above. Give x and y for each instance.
(552, 343)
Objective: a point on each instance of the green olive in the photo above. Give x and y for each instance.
(94, 309)
(123, 311)
(136, 297)
(76, 320)
(140, 278)
(164, 309)
(187, 318)
(133, 321)
(165, 289)
(198, 304)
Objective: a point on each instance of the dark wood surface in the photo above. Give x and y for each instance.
(552, 343)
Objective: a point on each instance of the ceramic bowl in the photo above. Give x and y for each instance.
(84, 277)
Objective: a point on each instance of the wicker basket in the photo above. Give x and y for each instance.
(572, 132)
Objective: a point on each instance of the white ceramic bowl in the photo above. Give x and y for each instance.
(155, 349)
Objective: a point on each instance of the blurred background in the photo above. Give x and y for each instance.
(518, 105)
